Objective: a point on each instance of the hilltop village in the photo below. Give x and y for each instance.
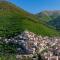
(29, 44)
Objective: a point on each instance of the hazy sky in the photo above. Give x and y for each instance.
(35, 6)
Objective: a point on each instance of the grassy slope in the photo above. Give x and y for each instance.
(55, 23)
(44, 16)
(47, 15)
(50, 18)
(14, 20)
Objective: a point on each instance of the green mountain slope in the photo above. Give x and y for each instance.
(55, 23)
(44, 16)
(51, 18)
(14, 20)
(48, 15)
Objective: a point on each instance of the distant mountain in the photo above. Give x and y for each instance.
(14, 20)
(51, 18)
(55, 23)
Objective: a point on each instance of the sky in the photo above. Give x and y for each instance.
(36, 6)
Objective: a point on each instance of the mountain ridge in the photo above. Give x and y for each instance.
(51, 18)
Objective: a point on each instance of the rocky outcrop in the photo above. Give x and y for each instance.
(29, 43)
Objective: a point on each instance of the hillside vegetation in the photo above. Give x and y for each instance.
(14, 20)
(51, 18)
